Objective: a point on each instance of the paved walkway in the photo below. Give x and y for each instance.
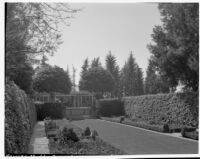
(135, 141)
(39, 141)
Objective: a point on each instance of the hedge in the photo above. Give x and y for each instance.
(176, 109)
(111, 107)
(20, 118)
(53, 110)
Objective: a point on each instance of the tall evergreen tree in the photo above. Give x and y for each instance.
(95, 62)
(129, 76)
(139, 81)
(154, 83)
(113, 68)
(85, 68)
(176, 48)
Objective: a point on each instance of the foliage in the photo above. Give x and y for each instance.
(20, 118)
(140, 124)
(166, 128)
(31, 30)
(189, 133)
(51, 79)
(95, 63)
(69, 134)
(87, 131)
(97, 80)
(113, 68)
(111, 107)
(175, 109)
(176, 48)
(121, 119)
(131, 78)
(154, 83)
(53, 110)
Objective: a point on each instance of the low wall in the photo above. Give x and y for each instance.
(176, 108)
(78, 112)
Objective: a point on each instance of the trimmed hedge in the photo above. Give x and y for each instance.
(20, 118)
(176, 109)
(111, 107)
(52, 110)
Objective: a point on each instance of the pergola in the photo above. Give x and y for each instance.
(74, 99)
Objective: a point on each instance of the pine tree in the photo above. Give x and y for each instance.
(95, 63)
(113, 68)
(154, 83)
(139, 82)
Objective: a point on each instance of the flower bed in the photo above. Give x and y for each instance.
(84, 143)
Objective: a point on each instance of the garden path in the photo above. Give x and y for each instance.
(39, 142)
(137, 141)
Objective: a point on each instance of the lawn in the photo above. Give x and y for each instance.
(85, 146)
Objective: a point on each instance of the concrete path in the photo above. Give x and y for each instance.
(39, 142)
(137, 141)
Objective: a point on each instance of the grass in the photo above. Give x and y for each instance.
(85, 146)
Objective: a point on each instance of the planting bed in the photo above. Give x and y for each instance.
(189, 132)
(83, 145)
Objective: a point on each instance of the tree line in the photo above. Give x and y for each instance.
(31, 30)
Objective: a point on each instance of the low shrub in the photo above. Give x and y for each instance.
(94, 135)
(52, 110)
(192, 135)
(87, 131)
(121, 119)
(185, 129)
(111, 107)
(166, 128)
(69, 134)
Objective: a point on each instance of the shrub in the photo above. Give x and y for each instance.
(20, 118)
(87, 131)
(111, 107)
(53, 110)
(121, 119)
(192, 135)
(94, 135)
(185, 129)
(179, 108)
(69, 134)
(166, 128)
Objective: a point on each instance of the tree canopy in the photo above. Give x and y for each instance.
(97, 80)
(51, 79)
(131, 78)
(176, 48)
(113, 68)
(31, 30)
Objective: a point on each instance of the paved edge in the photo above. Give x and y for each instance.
(149, 130)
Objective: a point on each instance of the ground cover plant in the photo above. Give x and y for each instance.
(73, 140)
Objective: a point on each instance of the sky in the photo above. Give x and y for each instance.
(102, 27)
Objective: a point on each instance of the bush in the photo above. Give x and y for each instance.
(20, 118)
(111, 107)
(121, 119)
(87, 131)
(53, 110)
(186, 129)
(178, 108)
(69, 134)
(166, 128)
